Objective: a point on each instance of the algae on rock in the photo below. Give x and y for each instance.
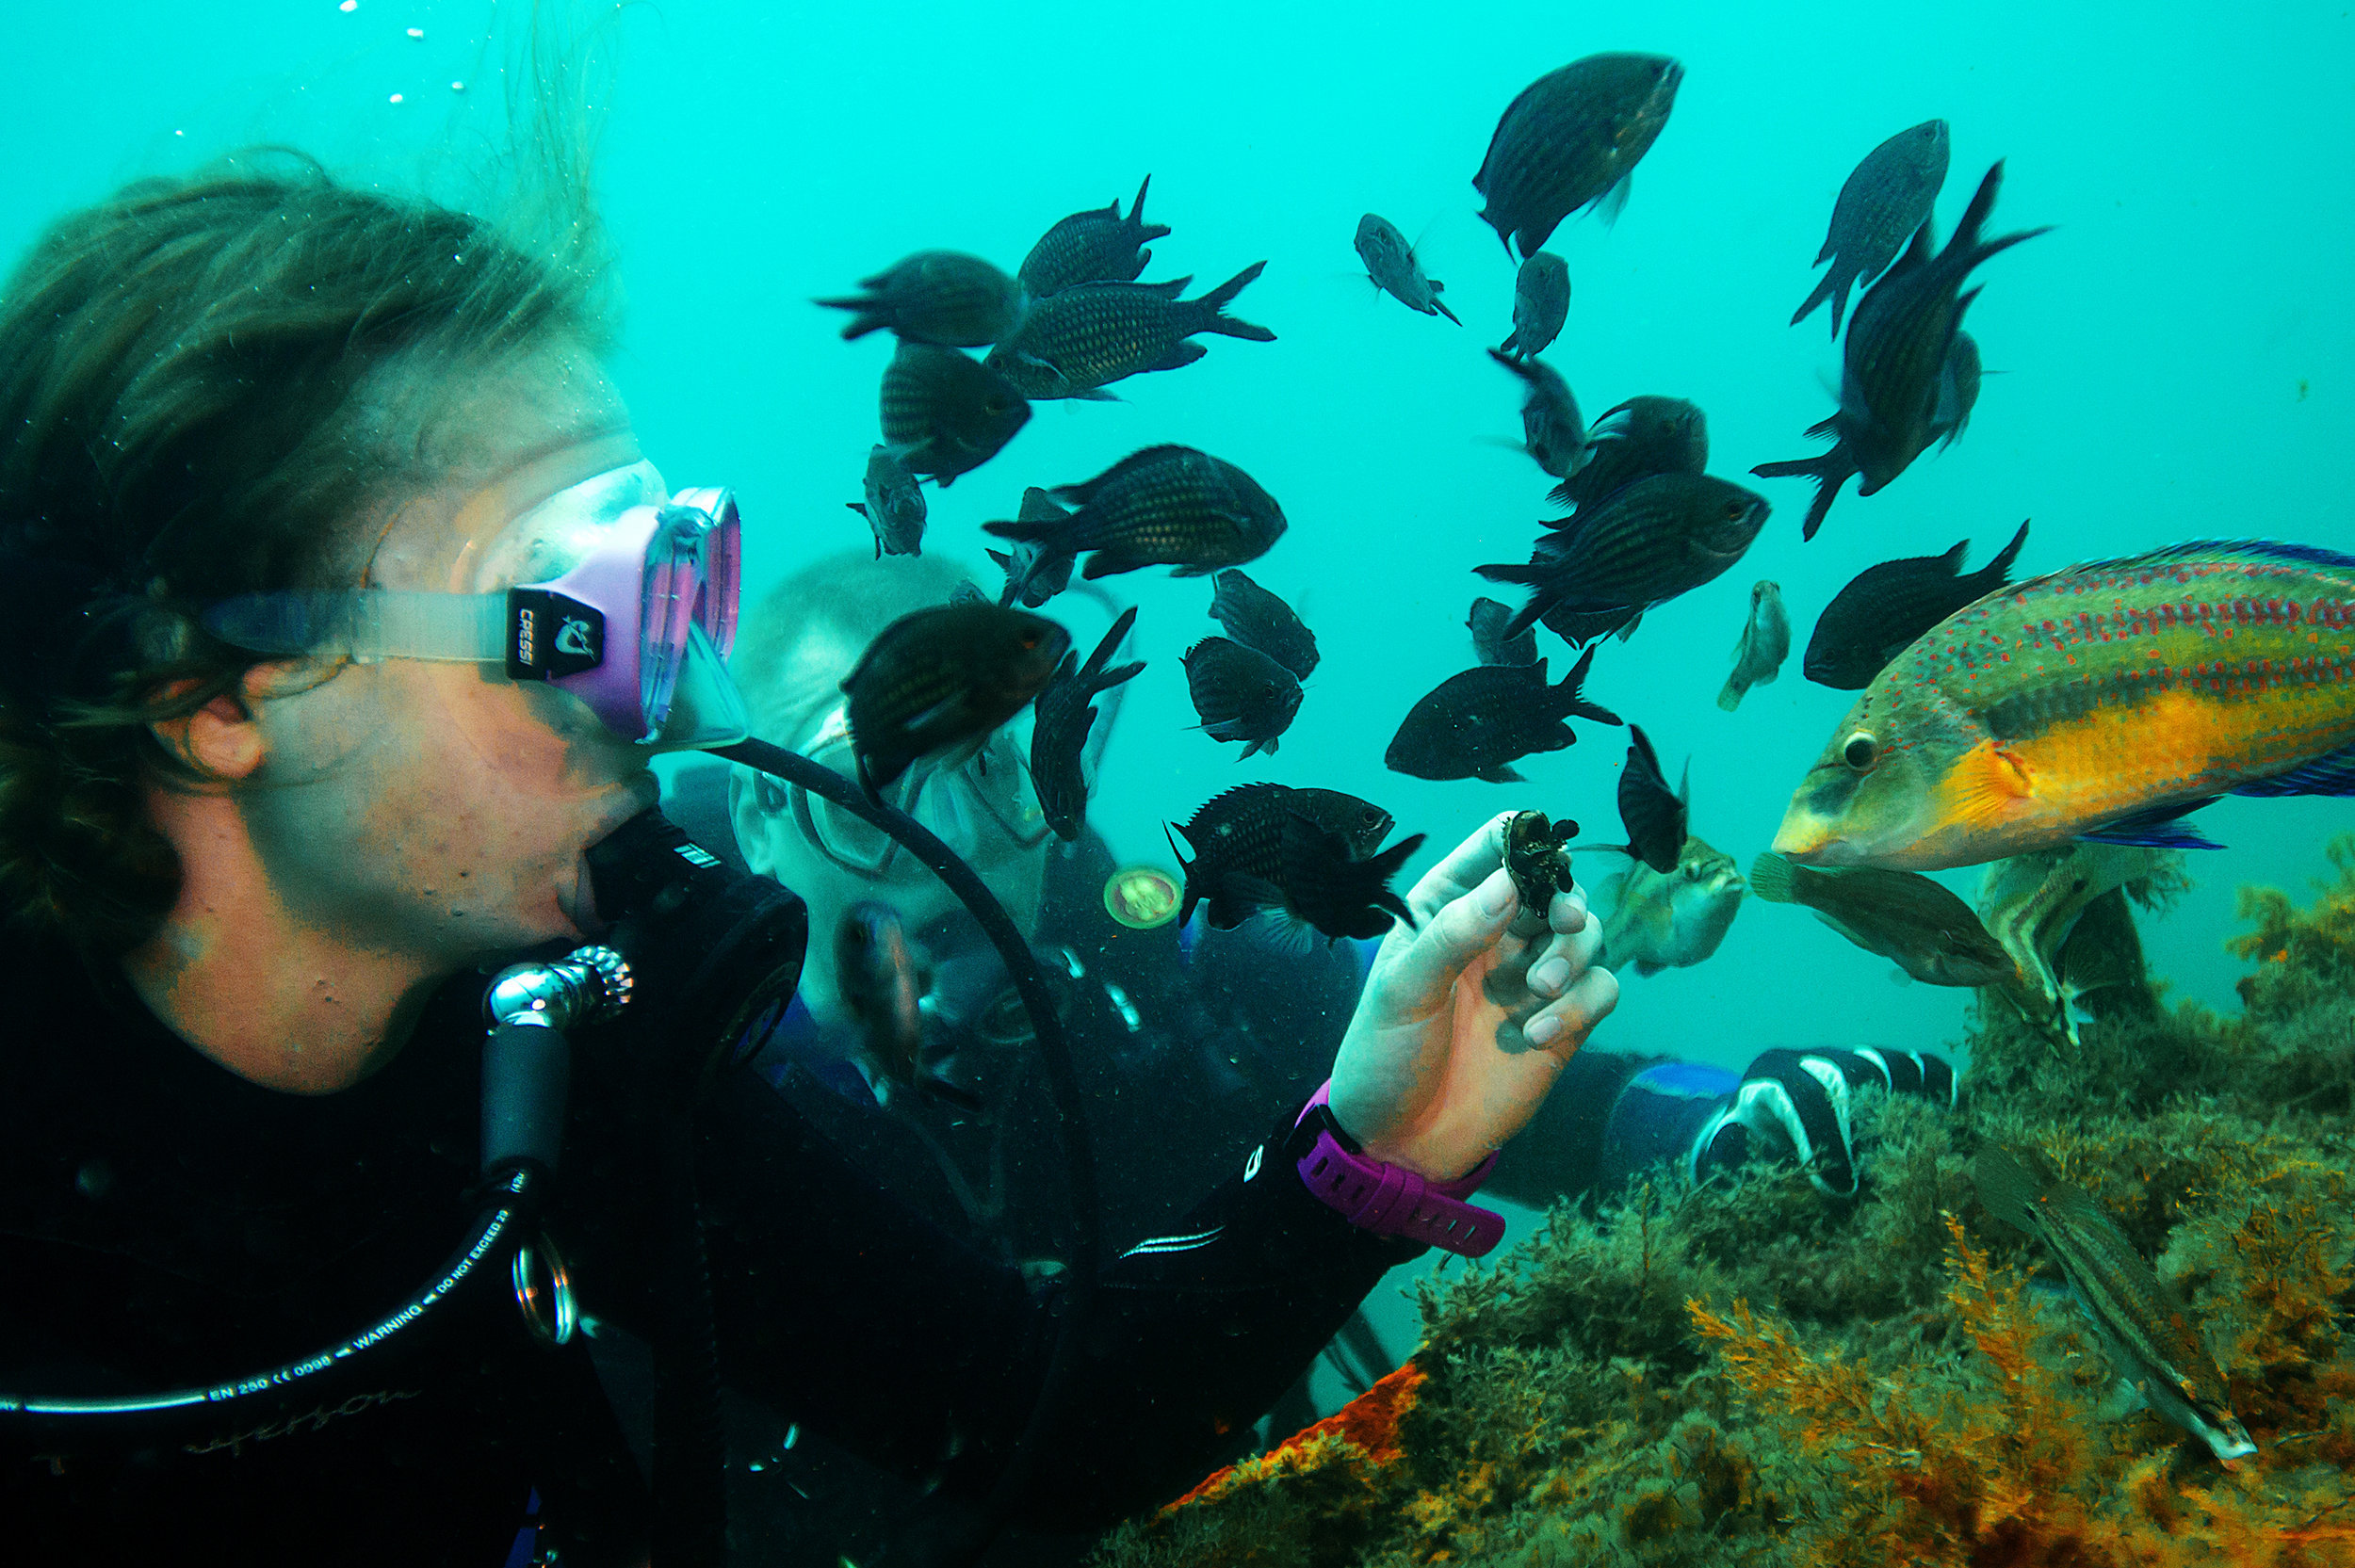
(1746, 1373)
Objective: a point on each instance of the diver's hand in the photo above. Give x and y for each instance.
(1466, 1019)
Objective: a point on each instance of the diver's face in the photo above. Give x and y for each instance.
(772, 844)
(440, 808)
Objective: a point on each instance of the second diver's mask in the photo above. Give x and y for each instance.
(982, 805)
(628, 601)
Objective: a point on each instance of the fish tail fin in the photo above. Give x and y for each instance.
(1529, 614)
(1318, 871)
(865, 318)
(1117, 675)
(1172, 832)
(2006, 1185)
(1573, 706)
(1833, 287)
(1211, 308)
(1729, 695)
(1966, 235)
(1995, 573)
(1830, 471)
(1382, 868)
(1145, 232)
(1093, 672)
(1966, 242)
(1028, 531)
(1772, 879)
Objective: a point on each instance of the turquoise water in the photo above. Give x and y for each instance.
(2176, 361)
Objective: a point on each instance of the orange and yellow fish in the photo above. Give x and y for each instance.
(2100, 702)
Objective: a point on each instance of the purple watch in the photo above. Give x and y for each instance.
(1377, 1196)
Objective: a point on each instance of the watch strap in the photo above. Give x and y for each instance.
(1390, 1199)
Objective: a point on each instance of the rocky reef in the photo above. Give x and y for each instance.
(1742, 1373)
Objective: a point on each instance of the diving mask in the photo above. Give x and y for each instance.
(636, 618)
(982, 805)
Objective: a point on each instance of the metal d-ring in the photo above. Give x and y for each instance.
(548, 1309)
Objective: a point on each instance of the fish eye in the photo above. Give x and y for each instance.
(1859, 752)
(1734, 511)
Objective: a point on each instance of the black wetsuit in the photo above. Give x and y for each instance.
(164, 1223)
(1180, 1045)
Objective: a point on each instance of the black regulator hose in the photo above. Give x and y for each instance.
(1063, 1082)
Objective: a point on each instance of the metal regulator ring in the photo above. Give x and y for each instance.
(544, 1292)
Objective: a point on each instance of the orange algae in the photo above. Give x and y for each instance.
(1369, 1424)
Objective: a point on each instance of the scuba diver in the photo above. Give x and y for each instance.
(1181, 1036)
(374, 1044)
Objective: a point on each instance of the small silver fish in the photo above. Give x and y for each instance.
(883, 977)
(1541, 302)
(882, 983)
(1391, 263)
(1673, 920)
(2031, 904)
(894, 508)
(1764, 643)
(2152, 1345)
(1487, 624)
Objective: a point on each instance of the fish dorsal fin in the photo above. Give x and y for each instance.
(2260, 549)
(1952, 560)
(1991, 575)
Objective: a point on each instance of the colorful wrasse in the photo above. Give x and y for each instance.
(2102, 703)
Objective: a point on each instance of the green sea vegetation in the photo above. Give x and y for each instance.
(1744, 1373)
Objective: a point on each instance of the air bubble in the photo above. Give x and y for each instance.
(397, 98)
(417, 33)
(348, 7)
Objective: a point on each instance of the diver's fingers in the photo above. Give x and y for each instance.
(1525, 979)
(1424, 972)
(1463, 870)
(1563, 1026)
(1576, 944)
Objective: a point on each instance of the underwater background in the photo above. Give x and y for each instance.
(2176, 361)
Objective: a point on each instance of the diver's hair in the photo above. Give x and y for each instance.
(183, 418)
(795, 646)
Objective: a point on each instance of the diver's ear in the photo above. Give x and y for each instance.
(754, 823)
(220, 740)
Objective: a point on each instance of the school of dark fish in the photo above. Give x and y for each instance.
(1639, 524)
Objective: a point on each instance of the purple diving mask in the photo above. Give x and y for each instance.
(636, 621)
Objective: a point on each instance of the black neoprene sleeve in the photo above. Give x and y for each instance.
(842, 1308)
